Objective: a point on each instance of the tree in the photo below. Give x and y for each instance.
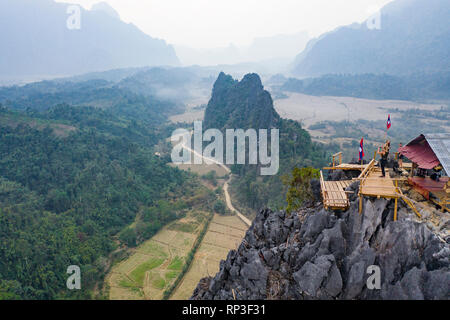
(299, 186)
(219, 207)
(129, 237)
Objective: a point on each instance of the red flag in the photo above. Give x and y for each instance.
(361, 149)
(388, 122)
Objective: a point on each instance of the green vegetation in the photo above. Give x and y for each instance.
(171, 275)
(152, 219)
(211, 177)
(184, 227)
(138, 274)
(296, 150)
(299, 187)
(176, 264)
(417, 86)
(158, 282)
(189, 259)
(246, 105)
(127, 284)
(64, 198)
(220, 207)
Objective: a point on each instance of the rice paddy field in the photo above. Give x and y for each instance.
(155, 264)
(225, 233)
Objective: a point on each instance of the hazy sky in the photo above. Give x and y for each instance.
(216, 23)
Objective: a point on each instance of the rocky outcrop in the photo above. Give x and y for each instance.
(317, 254)
(240, 104)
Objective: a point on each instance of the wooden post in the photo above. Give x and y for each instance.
(413, 166)
(445, 200)
(395, 209)
(340, 158)
(360, 203)
(396, 201)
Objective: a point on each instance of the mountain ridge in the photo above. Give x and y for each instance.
(414, 36)
(240, 104)
(41, 44)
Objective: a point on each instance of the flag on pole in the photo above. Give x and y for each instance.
(388, 122)
(361, 149)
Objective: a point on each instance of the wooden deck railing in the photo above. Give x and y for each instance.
(366, 170)
(339, 154)
(322, 185)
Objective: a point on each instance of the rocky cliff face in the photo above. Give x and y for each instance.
(317, 254)
(240, 104)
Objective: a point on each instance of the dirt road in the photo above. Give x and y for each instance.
(225, 187)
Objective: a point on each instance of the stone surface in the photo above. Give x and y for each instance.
(317, 254)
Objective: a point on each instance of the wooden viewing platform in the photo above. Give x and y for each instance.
(347, 166)
(337, 164)
(425, 152)
(333, 193)
(372, 184)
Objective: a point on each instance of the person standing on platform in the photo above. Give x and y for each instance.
(384, 153)
(400, 156)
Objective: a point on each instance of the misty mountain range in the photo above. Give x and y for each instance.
(414, 36)
(276, 50)
(36, 41)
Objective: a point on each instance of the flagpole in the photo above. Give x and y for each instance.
(387, 127)
(362, 158)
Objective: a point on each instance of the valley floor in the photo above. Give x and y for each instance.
(225, 233)
(312, 109)
(155, 265)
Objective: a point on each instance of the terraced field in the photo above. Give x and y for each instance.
(224, 234)
(156, 263)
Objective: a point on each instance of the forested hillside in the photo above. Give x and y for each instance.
(418, 86)
(72, 178)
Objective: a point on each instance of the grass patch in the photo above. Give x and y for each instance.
(189, 258)
(125, 283)
(176, 264)
(159, 283)
(153, 248)
(138, 274)
(184, 227)
(171, 275)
